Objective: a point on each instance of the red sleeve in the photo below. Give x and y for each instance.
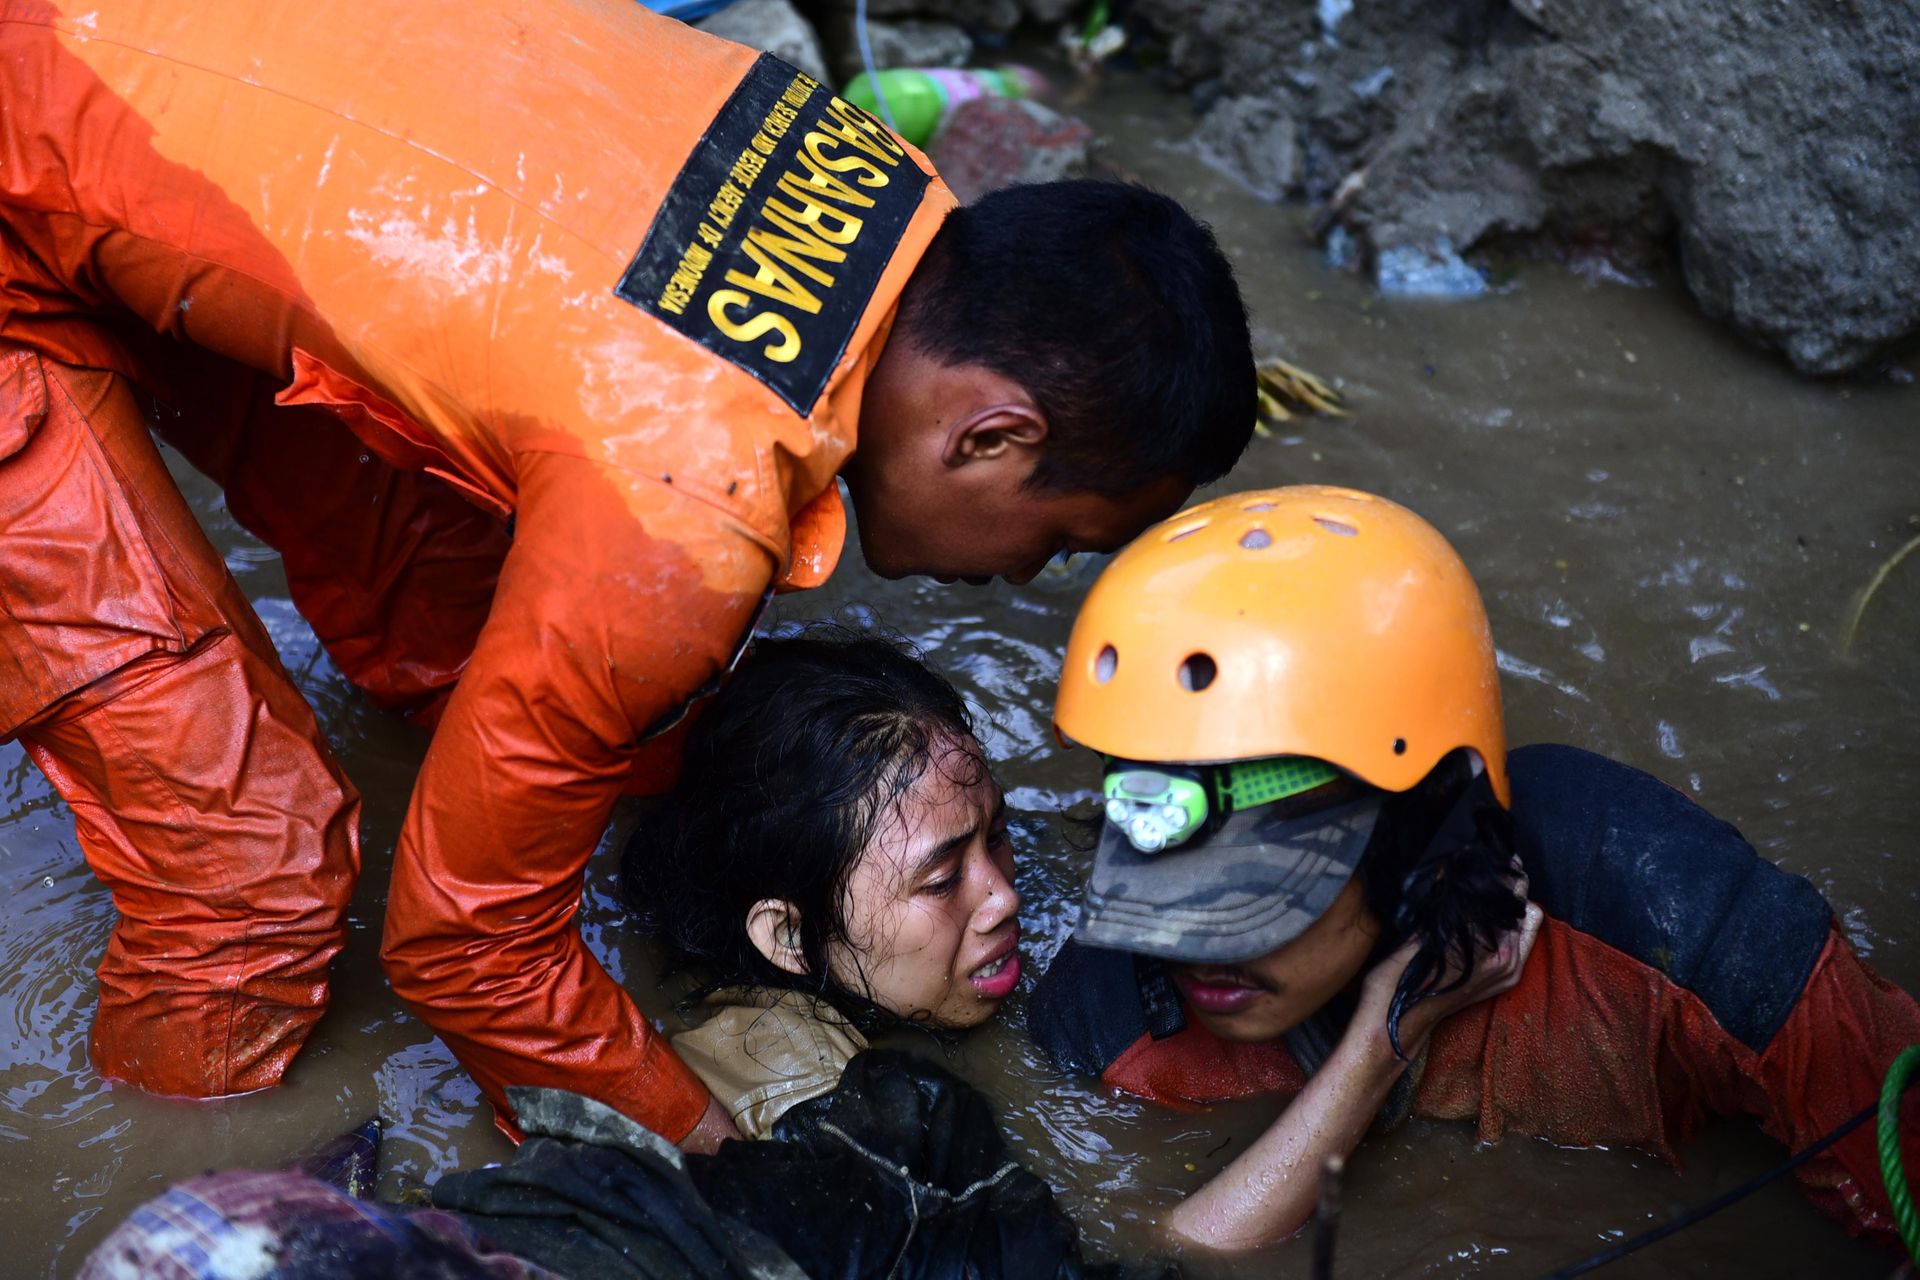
(1573, 1052)
(1193, 1068)
(620, 599)
(1593, 1047)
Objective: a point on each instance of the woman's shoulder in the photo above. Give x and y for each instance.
(763, 1051)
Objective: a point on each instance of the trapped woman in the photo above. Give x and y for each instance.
(834, 857)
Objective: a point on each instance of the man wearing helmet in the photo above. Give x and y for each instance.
(1321, 872)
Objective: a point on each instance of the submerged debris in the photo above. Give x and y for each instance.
(1851, 627)
(350, 1162)
(1282, 389)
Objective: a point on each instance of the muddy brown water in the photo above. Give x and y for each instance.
(1669, 530)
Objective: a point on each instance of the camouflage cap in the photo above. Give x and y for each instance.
(1242, 891)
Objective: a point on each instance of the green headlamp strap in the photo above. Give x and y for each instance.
(1245, 784)
(1161, 806)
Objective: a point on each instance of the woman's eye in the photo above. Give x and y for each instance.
(945, 885)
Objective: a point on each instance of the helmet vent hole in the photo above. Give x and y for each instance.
(1340, 527)
(1197, 672)
(1106, 664)
(1256, 539)
(1186, 532)
(1258, 506)
(1399, 746)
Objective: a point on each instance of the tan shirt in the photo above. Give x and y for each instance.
(761, 1052)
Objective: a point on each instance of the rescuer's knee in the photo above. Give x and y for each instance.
(207, 803)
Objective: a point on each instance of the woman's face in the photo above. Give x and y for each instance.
(1265, 998)
(931, 909)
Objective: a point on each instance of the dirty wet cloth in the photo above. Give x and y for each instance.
(281, 1224)
(763, 1052)
(591, 1193)
(140, 681)
(899, 1172)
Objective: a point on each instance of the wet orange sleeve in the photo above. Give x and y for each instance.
(620, 598)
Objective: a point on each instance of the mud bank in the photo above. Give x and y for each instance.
(1767, 150)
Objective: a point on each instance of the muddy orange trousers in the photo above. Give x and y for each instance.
(139, 679)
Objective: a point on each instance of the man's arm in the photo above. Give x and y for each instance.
(618, 601)
(1268, 1192)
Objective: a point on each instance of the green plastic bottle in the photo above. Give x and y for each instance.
(921, 99)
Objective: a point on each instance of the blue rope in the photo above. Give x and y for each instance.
(866, 60)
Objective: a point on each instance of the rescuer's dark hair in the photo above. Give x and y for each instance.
(796, 763)
(1441, 869)
(1114, 309)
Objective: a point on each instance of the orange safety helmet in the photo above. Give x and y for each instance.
(1309, 621)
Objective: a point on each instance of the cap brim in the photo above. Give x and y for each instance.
(1244, 891)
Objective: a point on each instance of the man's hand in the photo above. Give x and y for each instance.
(1268, 1192)
(1496, 970)
(715, 1127)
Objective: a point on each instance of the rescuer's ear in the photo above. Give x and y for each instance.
(998, 431)
(773, 925)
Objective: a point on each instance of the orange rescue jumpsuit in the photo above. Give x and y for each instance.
(617, 283)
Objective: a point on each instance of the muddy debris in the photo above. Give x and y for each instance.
(774, 26)
(1765, 151)
(1764, 154)
(998, 142)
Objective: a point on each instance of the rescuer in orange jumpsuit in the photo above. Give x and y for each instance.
(533, 333)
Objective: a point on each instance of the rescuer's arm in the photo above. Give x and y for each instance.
(1269, 1192)
(605, 623)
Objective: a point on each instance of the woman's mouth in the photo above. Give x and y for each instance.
(1216, 989)
(996, 979)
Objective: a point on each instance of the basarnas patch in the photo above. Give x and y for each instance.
(777, 230)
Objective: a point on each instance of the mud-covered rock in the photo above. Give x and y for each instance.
(997, 142)
(1254, 139)
(773, 25)
(1770, 146)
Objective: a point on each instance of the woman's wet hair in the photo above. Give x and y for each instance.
(1441, 869)
(787, 776)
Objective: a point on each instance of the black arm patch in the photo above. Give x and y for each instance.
(1620, 855)
(1093, 1004)
(777, 230)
